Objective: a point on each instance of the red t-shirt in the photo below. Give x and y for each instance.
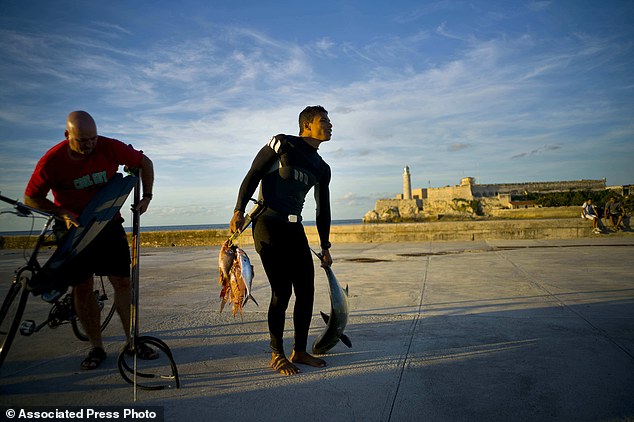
(75, 182)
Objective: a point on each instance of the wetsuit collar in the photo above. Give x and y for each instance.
(312, 142)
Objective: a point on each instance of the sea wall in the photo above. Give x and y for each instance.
(529, 213)
(461, 231)
(511, 229)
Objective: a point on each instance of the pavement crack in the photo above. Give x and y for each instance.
(572, 310)
(410, 334)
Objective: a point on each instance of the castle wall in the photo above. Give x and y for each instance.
(536, 187)
(449, 193)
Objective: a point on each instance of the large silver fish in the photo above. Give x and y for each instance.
(338, 318)
(246, 274)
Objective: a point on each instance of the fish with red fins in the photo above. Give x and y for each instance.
(236, 277)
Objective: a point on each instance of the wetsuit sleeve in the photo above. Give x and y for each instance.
(323, 217)
(260, 166)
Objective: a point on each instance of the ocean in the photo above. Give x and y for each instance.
(36, 230)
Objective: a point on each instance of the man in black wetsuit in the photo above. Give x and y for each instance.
(288, 167)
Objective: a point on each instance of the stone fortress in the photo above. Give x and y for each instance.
(465, 200)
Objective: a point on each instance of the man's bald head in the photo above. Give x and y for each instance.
(80, 121)
(81, 132)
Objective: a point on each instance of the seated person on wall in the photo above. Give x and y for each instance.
(590, 212)
(614, 213)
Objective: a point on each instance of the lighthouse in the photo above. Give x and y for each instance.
(407, 184)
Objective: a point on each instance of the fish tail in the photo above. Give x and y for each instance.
(246, 299)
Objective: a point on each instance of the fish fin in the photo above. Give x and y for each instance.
(325, 317)
(222, 304)
(346, 340)
(347, 290)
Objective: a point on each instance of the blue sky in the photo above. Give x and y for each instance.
(504, 91)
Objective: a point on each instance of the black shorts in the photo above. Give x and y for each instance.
(108, 254)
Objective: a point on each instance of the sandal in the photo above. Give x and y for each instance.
(143, 352)
(94, 359)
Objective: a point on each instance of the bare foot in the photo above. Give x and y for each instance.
(306, 359)
(282, 365)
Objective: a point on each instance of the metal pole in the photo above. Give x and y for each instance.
(134, 300)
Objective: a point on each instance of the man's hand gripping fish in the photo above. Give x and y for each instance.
(236, 277)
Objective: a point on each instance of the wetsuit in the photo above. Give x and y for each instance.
(288, 167)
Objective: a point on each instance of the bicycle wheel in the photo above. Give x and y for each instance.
(11, 313)
(104, 293)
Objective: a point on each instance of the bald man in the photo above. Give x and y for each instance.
(74, 170)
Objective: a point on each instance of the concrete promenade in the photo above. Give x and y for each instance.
(483, 330)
